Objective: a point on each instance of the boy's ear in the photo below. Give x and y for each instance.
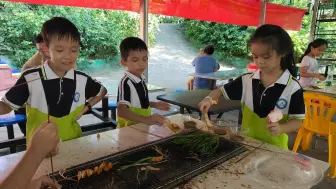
(122, 62)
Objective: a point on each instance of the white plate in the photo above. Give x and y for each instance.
(282, 171)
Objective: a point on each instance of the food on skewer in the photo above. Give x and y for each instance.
(172, 126)
(83, 174)
(149, 160)
(157, 159)
(89, 172)
(110, 166)
(101, 167)
(79, 175)
(61, 173)
(97, 170)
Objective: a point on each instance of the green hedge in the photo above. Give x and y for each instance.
(230, 40)
(101, 30)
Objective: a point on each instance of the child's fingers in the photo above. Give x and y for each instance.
(159, 122)
(275, 133)
(270, 125)
(50, 182)
(41, 127)
(273, 129)
(202, 107)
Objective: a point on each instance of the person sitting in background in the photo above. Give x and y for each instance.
(190, 82)
(309, 65)
(205, 63)
(40, 56)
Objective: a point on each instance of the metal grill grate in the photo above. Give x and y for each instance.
(173, 172)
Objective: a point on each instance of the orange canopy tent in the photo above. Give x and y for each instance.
(239, 12)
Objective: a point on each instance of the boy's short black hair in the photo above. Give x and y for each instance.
(38, 39)
(131, 44)
(209, 49)
(59, 27)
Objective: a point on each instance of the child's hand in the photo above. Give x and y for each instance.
(85, 109)
(274, 128)
(53, 152)
(320, 77)
(162, 106)
(205, 104)
(44, 139)
(155, 119)
(43, 181)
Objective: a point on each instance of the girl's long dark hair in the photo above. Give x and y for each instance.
(315, 44)
(279, 40)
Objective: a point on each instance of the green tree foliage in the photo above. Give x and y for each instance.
(230, 40)
(101, 30)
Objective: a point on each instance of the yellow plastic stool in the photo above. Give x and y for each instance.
(319, 111)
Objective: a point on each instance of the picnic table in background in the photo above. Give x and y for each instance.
(110, 103)
(153, 88)
(322, 88)
(191, 99)
(219, 75)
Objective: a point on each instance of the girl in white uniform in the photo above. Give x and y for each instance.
(309, 67)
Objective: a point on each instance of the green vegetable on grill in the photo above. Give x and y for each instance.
(200, 142)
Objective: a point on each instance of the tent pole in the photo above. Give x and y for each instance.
(144, 25)
(313, 22)
(262, 12)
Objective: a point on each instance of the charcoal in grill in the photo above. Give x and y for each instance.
(177, 169)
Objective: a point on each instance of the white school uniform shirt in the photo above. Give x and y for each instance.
(312, 67)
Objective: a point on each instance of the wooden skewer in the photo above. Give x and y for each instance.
(258, 147)
(19, 84)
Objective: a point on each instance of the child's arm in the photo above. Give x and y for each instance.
(126, 113)
(208, 101)
(4, 108)
(160, 105)
(296, 113)
(94, 100)
(44, 139)
(305, 64)
(94, 93)
(16, 96)
(304, 73)
(276, 129)
(232, 90)
(32, 62)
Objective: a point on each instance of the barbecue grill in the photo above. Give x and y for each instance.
(176, 170)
